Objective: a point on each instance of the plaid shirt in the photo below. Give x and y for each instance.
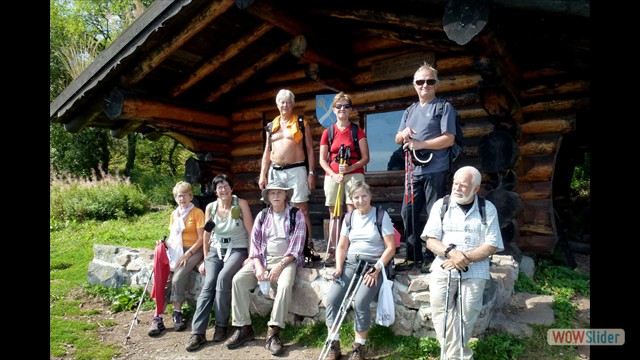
(466, 232)
(260, 236)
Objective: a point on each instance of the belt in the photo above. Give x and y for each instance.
(285, 167)
(224, 240)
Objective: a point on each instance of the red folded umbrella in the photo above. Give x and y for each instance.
(160, 275)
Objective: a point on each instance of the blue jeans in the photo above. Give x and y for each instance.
(216, 290)
(427, 188)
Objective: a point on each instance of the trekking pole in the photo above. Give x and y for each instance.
(460, 310)
(409, 199)
(135, 317)
(335, 219)
(444, 325)
(354, 285)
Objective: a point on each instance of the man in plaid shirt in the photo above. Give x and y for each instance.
(463, 243)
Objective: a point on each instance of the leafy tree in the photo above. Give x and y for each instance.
(78, 31)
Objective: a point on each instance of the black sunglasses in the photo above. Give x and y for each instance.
(428, 81)
(342, 106)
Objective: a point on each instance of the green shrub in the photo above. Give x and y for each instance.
(110, 197)
(159, 190)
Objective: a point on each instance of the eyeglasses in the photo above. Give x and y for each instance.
(183, 195)
(223, 187)
(428, 81)
(342, 106)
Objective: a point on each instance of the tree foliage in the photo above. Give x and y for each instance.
(79, 30)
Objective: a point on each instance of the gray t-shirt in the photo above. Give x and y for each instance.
(421, 119)
(277, 244)
(364, 238)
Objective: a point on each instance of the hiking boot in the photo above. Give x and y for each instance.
(195, 341)
(330, 261)
(408, 265)
(157, 326)
(274, 344)
(334, 351)
(219, 333)
(357, 352)
(240, 336)
(178, 321)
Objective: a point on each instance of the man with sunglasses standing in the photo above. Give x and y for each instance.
(426, 135)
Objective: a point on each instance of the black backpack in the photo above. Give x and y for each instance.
(481, 208)
(354, 137)
(269, 126)
(456, 149)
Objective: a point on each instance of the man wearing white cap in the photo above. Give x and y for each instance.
(276, 252)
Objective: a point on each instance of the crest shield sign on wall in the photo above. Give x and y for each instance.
(324, 113)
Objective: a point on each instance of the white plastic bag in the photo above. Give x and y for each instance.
(386, 312)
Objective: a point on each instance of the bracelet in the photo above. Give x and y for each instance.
(311, 172)
(283, 263)
(379, 264)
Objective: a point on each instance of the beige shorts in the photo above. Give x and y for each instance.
(295, 178)
(331, 188)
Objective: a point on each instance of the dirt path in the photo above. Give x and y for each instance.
(171, 344)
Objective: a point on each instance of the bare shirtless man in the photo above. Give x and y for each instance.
(283, 157)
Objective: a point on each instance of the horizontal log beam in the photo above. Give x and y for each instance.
(247, 150)
(249, 137)
(536, 244)
(173, 126)
(534, 190)
(546, 126)
(555, 89)
(120, 106)
(540, 144)
(534, 168)
(556, 106)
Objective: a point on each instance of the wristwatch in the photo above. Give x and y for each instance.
(311, 172)
(283, 263)
(451, 247)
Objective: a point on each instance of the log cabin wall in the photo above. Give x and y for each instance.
(206, 73)
(536, 130)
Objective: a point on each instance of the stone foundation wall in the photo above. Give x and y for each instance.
(115, 266)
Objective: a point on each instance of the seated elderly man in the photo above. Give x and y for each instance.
(275, 254)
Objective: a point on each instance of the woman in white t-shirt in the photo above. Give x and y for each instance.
(361, 241)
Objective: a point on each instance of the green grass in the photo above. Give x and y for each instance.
(70, 252)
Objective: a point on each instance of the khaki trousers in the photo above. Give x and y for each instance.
(472, 290)
(245, 281)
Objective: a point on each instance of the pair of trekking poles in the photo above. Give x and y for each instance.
(446, 313)
(410, 228)
(354, 285)
(344, 156)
